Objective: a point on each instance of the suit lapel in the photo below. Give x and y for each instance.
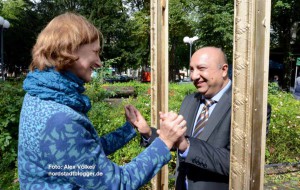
(193, 116)
(189, 111)
(217, 115)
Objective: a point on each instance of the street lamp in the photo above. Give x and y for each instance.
(190, 41)
(4, 24)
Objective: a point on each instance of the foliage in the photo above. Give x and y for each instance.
(213, 23)
(139, 24)
(96, 97)
(282, 141)
(283, 181)
(177, 94)
(281, 10)
(11, 101)
(273, 88)
(106, 120)
(105, 123)
(20, 36)
(179, 27)
(125, 25)
(8, 180)
(96, 86)
(285, 35)
(126, 32)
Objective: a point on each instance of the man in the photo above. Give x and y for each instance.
(203, 159)
(204, 154)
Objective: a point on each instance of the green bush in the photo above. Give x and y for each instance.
(107, 117)
(283, 140)
(273, 88)
(11, 99)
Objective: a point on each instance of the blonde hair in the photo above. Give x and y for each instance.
(57, 42)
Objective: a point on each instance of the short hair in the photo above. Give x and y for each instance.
(57, 42)
(224, 58)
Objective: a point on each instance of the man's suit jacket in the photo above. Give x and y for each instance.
(207, 163)
(206, 166)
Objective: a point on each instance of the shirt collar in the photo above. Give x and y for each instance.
(218, 96)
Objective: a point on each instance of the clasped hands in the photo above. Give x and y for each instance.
(172, 127)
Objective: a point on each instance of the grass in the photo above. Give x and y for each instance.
(283, 139)
(9, 180)
(288, 181)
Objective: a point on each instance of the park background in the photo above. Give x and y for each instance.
(126, 29)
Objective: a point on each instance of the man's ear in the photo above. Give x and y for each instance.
(225, 70)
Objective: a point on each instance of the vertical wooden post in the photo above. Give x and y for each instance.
(159, 74)
(250, 85)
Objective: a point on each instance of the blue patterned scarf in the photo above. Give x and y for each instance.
(64, 88)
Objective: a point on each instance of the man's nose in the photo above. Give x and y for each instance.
(195, 75)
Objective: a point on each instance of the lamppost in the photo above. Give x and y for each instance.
(190, 41)
(4, 24)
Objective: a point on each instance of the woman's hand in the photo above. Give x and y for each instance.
(137, 120)
(172, 128)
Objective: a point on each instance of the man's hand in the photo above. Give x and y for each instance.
(182, 144)
(172, 128)
(137, 120)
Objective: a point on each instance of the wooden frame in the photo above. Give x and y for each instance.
(159, 73)
(250, 84)
(250, 90)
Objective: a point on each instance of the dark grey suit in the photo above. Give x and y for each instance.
(207, 163)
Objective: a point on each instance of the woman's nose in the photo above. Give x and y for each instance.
(99, 63)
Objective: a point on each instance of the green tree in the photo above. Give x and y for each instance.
(179, 27)
(285, 13)
(139, 32)
(111, 17)
(213, 23)
(19, 38)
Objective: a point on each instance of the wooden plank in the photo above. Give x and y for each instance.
(159, 74)
(250, 85)
(260, 88)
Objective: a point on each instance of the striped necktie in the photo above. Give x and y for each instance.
(203, 117)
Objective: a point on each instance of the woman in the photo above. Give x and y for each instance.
(58, 146)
